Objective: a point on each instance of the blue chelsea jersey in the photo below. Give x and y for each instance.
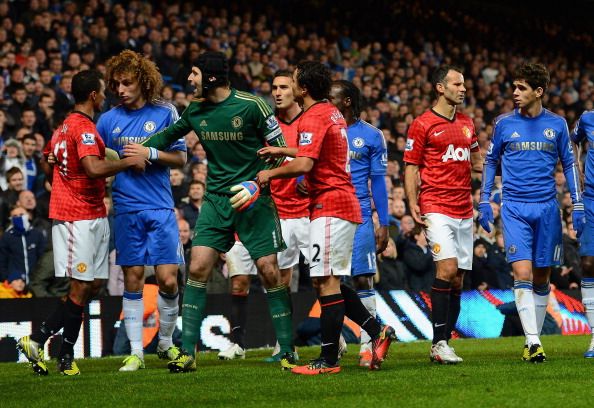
(584, 130)
(368, 156)
(119, 126)
(529, 149)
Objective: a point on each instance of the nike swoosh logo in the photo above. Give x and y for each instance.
(438, 133)
(439, 325)
(327, 344)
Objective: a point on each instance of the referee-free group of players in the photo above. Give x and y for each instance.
(305, 178)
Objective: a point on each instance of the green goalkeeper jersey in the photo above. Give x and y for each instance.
(231, 133)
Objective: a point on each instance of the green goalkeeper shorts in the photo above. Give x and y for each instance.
(258, 228)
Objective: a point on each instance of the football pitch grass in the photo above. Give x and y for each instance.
(492, 375)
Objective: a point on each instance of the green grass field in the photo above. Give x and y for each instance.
(492, 375)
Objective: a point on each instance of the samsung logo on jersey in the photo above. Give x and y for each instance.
(456, 154)
(124, 140)
(355, 155)
(221, 136)
(536, 146)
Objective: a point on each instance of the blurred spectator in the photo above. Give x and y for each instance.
(14, 287)
(191, 204)
(12, 157)
(481, 271)
(391, 271)
(43, 282)
(9, 197)
(418, 261)
(179, 188)
(21, 246)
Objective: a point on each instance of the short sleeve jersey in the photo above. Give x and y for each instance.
(75, 196)
(584, 130)
(151, 189)
(368, 157)
(441, 148)
(231, 132)
(323, 138)
(289, 203)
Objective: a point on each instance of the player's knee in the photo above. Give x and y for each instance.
(168, 284)
(269, 274)
(198, 273)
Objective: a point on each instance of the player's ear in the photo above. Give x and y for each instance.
(539, 92)
(440, 87)
(348, 101)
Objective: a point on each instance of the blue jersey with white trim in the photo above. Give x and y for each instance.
(584, 130)
(119, 126)
(529, 149)
(368, 156)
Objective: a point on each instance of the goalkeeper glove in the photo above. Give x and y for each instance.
(247, 194)
(578, 218)
(485, 215)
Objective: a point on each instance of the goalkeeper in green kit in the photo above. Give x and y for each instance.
(232, 126)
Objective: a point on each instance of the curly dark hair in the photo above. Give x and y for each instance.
(141, 69)
(315, 77)
(84, 83)
(536, 75)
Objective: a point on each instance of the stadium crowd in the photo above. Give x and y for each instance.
(43, 44)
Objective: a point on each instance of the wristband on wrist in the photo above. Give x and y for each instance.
(153, 154)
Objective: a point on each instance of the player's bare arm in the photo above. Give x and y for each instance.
(95, 167)
(297, 167)
(381, 239)
(476, 159)
(577, 154)
(411, 183)
(171, 159)
(273, 151)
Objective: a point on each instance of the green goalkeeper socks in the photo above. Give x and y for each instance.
(193, 307)
(282, 320)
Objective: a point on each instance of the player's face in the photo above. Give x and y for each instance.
(128, 90)
(195, 79)
(524, 95)
(282, 90)
(297, 90)
(338, 99)
(454, 90)
(99, 97)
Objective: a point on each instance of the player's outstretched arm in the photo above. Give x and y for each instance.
(297, 167)
(411, 186)
(176, 158)
(166, 137)
(276, 152)
(96, 168)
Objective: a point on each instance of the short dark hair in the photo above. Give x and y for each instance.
(349, 90)
(84, 83)
(536, 75)
(193, 182)
(441, 72)
(11, 172)
(29, 136)
(315, 77)
(283, 73)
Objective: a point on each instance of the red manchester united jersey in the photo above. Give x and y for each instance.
(323, 137)
(289, 202)
(76, 196)
(441, 148)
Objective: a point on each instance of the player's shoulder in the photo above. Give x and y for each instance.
(367, 129)
(462, 117)
(254, 101)
(505, 117)
(587, 117)
(112, 113)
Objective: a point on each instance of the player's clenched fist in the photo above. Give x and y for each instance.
(247, 194)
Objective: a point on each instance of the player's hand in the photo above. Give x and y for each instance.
(270, 151)
(578, 218)
(263, 178)
(51, 159)
(415, 212)
(485, 215)
(381, 239)
(247, 194)
(137, 163)
(135, 149)
(302, 186)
